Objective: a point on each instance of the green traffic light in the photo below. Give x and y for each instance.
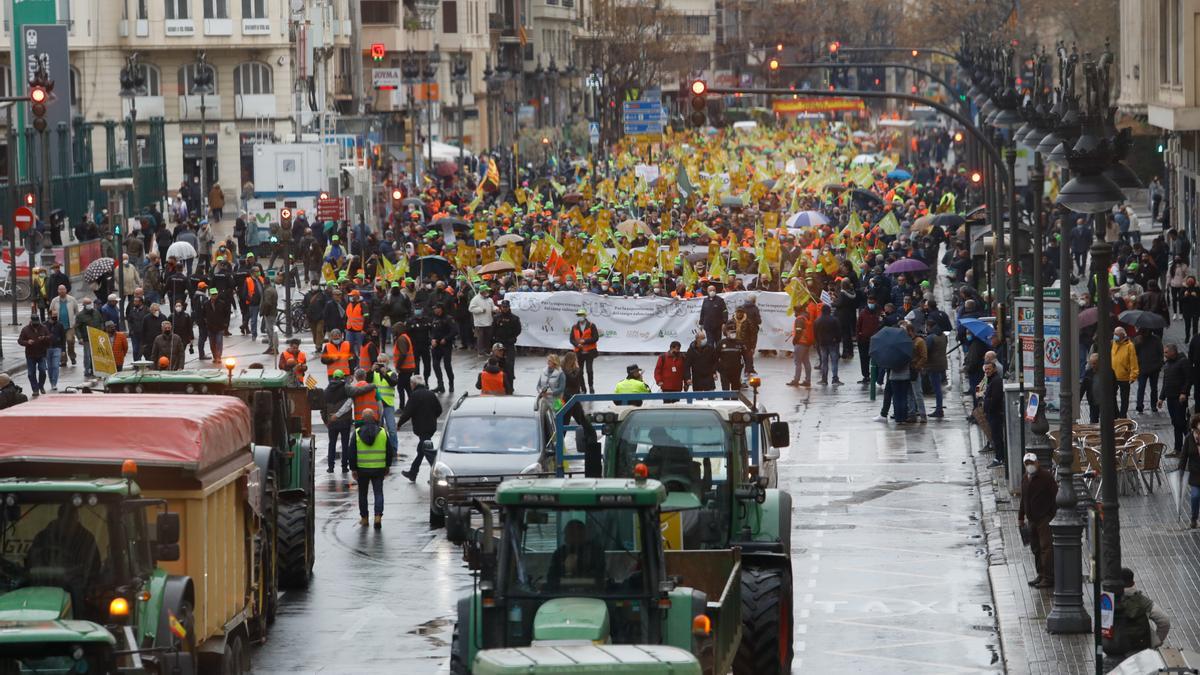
(962, 97)
(1161, 147)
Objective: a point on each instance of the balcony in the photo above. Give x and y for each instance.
(218, 27)
(179, 28)
(147, 107)
(256, 26)
(250, 106)
(189, 107)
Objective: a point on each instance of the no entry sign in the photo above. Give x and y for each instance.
(23, 218)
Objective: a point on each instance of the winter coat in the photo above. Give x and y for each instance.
(1176, 378)
(826, 330)
(920, 357)
(506, 326)
(669, 372)
(713, 313)
(85, 318)
(1038, 496)
(269, 302)
(423, 408)
(1124, 361)
(36, 339)
(1149, 350)
(552, 382)
(935, 353)
(700, 366)
(170, 346)
(481, 309)
(867, 325)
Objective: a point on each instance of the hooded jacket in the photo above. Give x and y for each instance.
(368, 431)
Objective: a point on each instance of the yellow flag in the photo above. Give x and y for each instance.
(479, 230)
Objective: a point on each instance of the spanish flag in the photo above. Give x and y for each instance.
(177, 628)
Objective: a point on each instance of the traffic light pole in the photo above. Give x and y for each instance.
(12, 199)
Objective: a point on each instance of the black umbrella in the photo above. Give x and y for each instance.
(948, 221)
(1142, 319)
(865, 197)
(891, 348)
(98, 268)
(433, 264)
(412, 201)
(977, 213)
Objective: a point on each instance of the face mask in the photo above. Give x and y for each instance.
(712, 294)
(871, 306)
(1116, 338)
(178, 308)
(1031, 469)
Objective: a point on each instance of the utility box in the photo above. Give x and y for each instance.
(287, 169)
(1014, 425)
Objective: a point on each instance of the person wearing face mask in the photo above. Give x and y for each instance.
(584, 336)
(713, 315)
(135, 316)
(40, 293)
(1125, 368)
(168, 345)
(1189, 308)
(150, 329)
(506, 328)
(1038, 505)
(182, 325)
(88, 317)
(867, 324)
(36, 340)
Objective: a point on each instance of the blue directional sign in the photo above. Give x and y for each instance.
(643, 118)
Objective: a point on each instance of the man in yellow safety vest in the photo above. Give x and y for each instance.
(385, 378)
(374, 450)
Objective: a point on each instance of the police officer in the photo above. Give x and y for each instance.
(385, 378)
(506, 327)
(731, 359)
(442, 331)
(371, 459)
(633, 383)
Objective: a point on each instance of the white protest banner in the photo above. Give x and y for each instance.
(638, 325)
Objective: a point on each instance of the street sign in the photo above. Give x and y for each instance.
(1053, 348)
(385, 78)
(594, 133)
(1107, 600)
(23, 218)
(329, 208)
(643, 118)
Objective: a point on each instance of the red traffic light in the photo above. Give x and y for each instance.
(324, 195)
(699, 87)
(958, 137)
(30, 199)
(834, 46)
(915, 53)
(976, 177)
(397, 195)
(38, 94)
(285, 213)
(779, 47)
(378, 51)
(773, 64)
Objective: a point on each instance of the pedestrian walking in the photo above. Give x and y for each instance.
(826, 332)
(936, 364)
(356, 320)
(371, 458)
(1148, 347)
(443, 330)
(423, 409)
(1081, 237)
(713, 315)
(749, 323)
(802, 341)
(216, 202)
(88, 317)
(1176, 383)
(362, 392)
(867, 324)
(168, 345)
(182, 324)
(217, 316)
(506, 327)
(730, 359)
(1125, 369)
(584, 336)
(339, 417)
(120, 343)
(1087, 385)
(58, 340)
(585, 436)
(552, 384)
(1038, 491)
(336, 353)
(670, 370)
(268, 310)
(846, 305)
(701, 364)
(481, 309)
(67, 307)
(36, 340)
(1190, 462)
(492, 380)
(916, 368)
(404, 360)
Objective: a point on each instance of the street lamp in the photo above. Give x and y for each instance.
(202, 83)
(458, 75)
(1090, 191)
(410, 70)
(429, 73)
(133, 84)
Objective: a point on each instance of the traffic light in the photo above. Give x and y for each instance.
(30, 199)
(958, 137)
(916, 53)
(834, 47)
(37, 106)
(378, 51)
(698, 116)
(779, 47)
(324, 195)
(976, 178)
(397, 196)
(773, 65)
(285, 218)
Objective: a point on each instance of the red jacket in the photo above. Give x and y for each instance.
(868, 324)
(668, 372)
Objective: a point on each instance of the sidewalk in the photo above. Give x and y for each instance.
(1155, 543)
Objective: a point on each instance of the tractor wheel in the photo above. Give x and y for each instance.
(436, 520)
(458, 660)
(766, 646)
(292, 542)
(233, 659)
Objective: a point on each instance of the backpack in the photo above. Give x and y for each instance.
(1131, 624)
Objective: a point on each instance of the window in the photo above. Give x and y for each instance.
(450, 16)
(5, 81)
(379, 12)
(153, 79)
(256, 9)
(178, 9)
(76, 82)
(187, 79)
(142, 12)
(216, 9)
(1170, 49)
(552, 2)
(697, 25)
(252, 78)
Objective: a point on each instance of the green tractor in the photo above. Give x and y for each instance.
(579, 576)
(704, 447)
(282, 415)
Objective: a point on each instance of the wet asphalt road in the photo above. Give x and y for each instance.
(889, 563)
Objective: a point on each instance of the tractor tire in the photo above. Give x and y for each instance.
(293, 545)
(458, 661)
(233, 658)
(766, 646)
(436, 520)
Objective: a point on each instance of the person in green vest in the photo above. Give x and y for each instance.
(632, 384)
(385, 378)
(371, 457)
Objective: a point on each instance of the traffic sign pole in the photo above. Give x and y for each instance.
(22, 221)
